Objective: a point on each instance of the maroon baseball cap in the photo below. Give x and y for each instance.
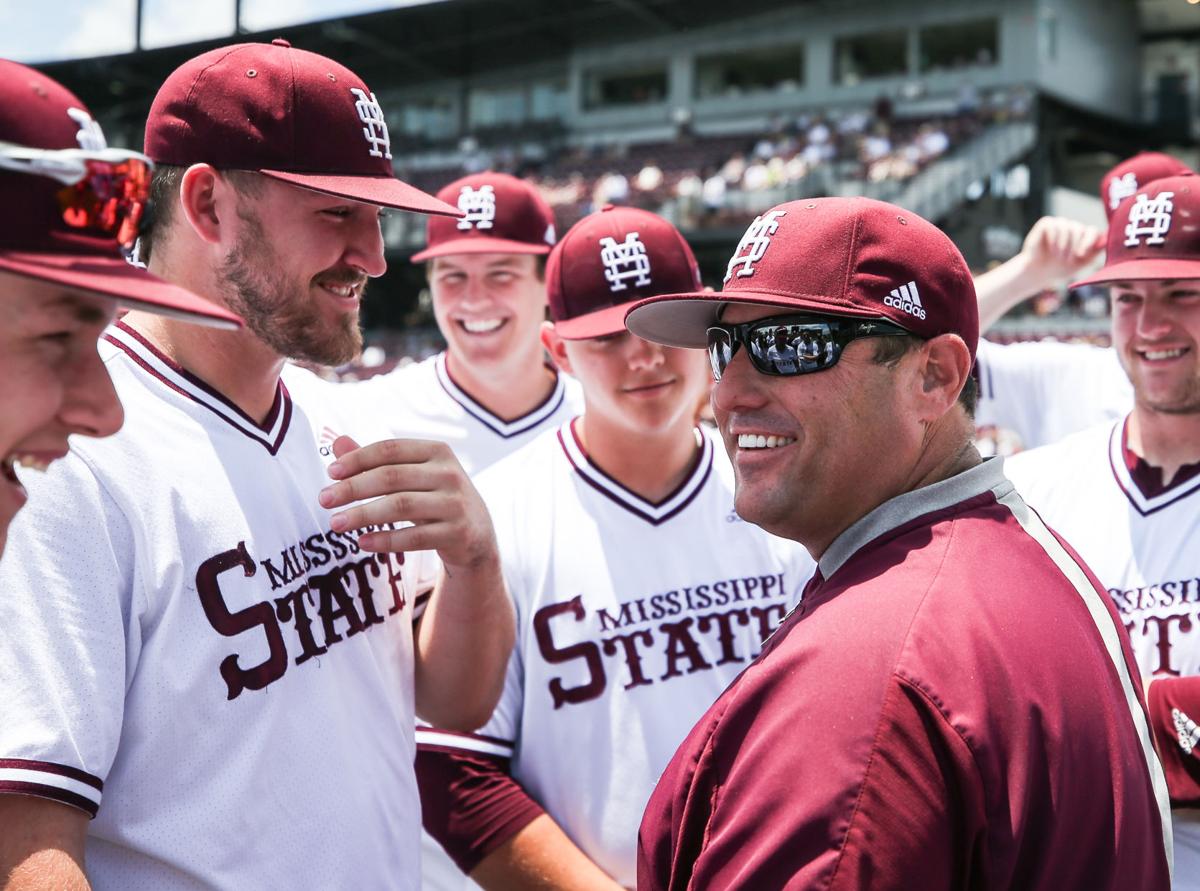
(1154, 234)
(610, 260)
(501, 215)
(44, 131)
(853, 257)
(288, 114)
(1133, 173)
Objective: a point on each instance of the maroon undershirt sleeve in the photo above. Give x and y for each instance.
(1174, 705)
(470, 803)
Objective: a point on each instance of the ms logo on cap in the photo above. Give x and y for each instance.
(375, 127)
(1121, 188)
(479, 205)
(90, 136)
(754, 244)
(625, 260)
(1149, 217)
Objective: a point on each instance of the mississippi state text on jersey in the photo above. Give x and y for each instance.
(192, 656)
(632, 617)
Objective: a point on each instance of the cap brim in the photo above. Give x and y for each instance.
(601, 323)
(383, 191)
(1141, 270)
(683, 320)
(112, 277)
(479, 245)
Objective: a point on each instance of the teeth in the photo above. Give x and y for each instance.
(482, 326)
(341, 290)
(1164, 354)
(31, 462)
(758, 441)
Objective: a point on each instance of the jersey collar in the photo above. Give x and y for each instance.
(269, 434)
(498, 425)
(653, 513)
(1141, 481)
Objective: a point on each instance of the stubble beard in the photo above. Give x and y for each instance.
(276, 310)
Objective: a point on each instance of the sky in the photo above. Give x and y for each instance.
(50, 30)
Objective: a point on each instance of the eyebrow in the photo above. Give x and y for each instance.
(84, 311)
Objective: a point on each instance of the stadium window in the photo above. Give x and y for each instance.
(497, 106)
(430, 118)
(959, 45)
(549, 100)
(865, 56)
(643, 85)
(750, 71)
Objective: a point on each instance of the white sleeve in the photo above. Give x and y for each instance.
(69, 638)
(1044, 391)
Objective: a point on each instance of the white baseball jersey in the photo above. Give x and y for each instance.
(1044, 391)
(194, 657)
(632, 618)
(1142, 540)
(422, 401)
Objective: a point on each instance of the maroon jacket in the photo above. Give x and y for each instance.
(953, 705)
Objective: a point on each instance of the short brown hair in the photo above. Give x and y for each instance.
(891, 348)
(164, 198)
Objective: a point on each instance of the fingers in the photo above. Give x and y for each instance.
(429, 476)
(355, 459)
(343, 445)
(427, 537)
(399, 507)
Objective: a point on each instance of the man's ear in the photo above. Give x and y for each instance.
(945, 365)
(202, 191)
(556, 347)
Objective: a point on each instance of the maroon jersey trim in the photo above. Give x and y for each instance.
(54, 793)
(498, 425)
(62, 770)
(1140, 482)
(655, 513)
(204, 395)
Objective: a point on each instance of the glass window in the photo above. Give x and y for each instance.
(432, 118)
(750, 71)
(549, 101)
(496, 107)
(631, 86)
(959, 45)
(864, 56)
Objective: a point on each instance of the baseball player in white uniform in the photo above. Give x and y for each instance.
(209, 663)
(639, 591)
(1126, 494)
(491, 391)
(1044, 391)
(62, 273)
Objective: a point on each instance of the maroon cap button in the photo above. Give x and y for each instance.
(500, 215)
(71, 198)
(853, 257)
(289, 114)
(1131, 174)
(1154, 234)
(610, 260)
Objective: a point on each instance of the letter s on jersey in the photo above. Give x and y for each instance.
(230, 624)
(555, 655)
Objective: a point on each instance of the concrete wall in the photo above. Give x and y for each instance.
(1089, 54)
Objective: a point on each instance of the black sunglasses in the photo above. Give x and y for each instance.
(785, 346)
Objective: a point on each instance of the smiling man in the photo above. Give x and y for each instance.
(62, 274)
(640, 592)
(954, 703)
(491, 391)
(1126, 495)
(209, 661)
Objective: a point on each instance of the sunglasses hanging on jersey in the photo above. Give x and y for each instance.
(790, 345)
(104, 192)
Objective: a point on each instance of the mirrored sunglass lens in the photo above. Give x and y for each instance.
(785, 349)
(110, 199)
(720, 351)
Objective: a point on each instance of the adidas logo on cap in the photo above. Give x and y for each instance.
(906, 299)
